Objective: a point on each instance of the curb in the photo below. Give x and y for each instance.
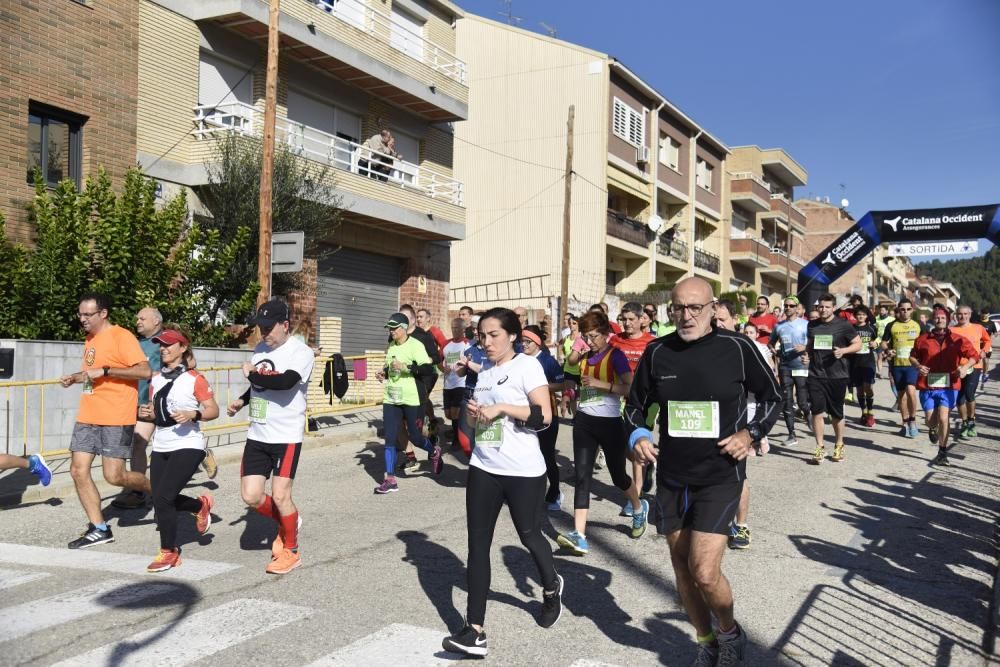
(224, 454)
(993, 620)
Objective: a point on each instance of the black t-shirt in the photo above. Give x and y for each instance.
(433, 351)
(865, 358)
(823, 337)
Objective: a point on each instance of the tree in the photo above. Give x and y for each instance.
(121, 245)
(977, 279)
(302, 200)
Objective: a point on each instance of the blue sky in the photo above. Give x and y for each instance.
(898, 100)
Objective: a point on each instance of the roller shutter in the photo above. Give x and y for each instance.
(362, 289)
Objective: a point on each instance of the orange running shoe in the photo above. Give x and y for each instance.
(279, 541)
(166, 559)
(284, 563)
(203, 517)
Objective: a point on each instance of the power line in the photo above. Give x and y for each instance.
(516, 208)
(509, 157)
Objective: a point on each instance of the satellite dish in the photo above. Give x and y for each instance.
(844, 203)
(655, 223)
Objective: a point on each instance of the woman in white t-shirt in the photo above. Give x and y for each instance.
(180, 399)
(510, 405)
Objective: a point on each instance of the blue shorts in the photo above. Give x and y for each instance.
(903, 376)
(932, 399)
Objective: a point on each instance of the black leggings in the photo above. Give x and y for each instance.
(588, 433)
(169, 473)
(547, 443)
(485, 495)
(798, 384)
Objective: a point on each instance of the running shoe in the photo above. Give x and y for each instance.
(38, 468)
(203, 517)
(792, 442)
(941, 459)
(914, 429)
(555, 505)
(626, 509)
(552, 605)
(467, 642)
(971, 431)
(708, 655)
(818, 455)
(411, 466)
(963, 430)
(838, 453)
(279, 540)
(92, 537)
(388, 485)
(905, 431)
(166, 559)
(573, 541)
(209, 464)
(639, 519)
(732, 650)
(648, 475)
(861, 420)
(437, 463)
(599, 461)
(287, 561)
(870, 421)
(739, 537)
(932, 434)
(849, 397)
(129, 500)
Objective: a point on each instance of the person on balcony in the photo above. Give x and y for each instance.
(377, 155)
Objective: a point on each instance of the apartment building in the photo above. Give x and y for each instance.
(647, 187)
(766, 246)
(68, 99)
(347, 69)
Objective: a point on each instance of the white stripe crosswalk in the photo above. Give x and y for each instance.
(194, 637)
(11, 578)
(107, 561)
(396, 644)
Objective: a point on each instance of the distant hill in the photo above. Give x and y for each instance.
(976, 279)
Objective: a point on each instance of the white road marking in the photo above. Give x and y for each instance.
(24, 619)
(194, 637)
(591, 663)
(395, 644)
(108, 561)
(11, 578)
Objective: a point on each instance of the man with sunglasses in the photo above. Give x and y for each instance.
(897, 340)
(700, 376)
(789, 343)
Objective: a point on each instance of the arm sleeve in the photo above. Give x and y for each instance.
(887, 335)
(246, 396)
(285, 380)
(761, 383)
(641, 396)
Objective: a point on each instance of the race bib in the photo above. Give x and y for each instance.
(864, 350)
(258, 410)
(823, 342)
(490, 435)
(939, 380)
(904, 352)
(395, 394)
(452, 358)
(800, 372)
(590, 396)
(693, 419)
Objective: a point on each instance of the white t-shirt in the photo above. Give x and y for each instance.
(504, 448)
(278, 416)
(188, 391)
(451, 353)
(765, 352)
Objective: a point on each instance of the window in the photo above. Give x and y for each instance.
(670, 152)
(628, 124)
(405, 33)
(54, 144)
(703, 175)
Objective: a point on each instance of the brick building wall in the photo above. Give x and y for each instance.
(78, 57)
(424, 284)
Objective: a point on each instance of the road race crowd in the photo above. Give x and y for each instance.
(677, 406)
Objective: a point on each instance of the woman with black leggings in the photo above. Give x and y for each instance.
(532, 343)
(510, 406)
(180, 399)
(605, 376)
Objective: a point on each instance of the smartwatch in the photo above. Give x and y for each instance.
(754, 431)
(197, 416)
(106, 370)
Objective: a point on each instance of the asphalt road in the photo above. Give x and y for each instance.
(877, 560)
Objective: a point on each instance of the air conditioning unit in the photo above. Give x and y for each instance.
(642, 154)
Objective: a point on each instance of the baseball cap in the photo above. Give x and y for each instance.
(169, 337)
(397, 320)
(270, 313)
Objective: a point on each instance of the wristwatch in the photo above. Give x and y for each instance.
(106, 369)
(754, 431)
(197, 416)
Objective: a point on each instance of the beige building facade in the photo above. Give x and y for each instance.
(648, 187)
(347, 69)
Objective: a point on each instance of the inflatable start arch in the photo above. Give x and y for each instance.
(876, 227)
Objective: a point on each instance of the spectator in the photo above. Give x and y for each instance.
(377, 155)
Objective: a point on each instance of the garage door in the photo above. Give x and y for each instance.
(362, 289)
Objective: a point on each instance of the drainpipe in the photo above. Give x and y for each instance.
(655, 174)
(692, 169)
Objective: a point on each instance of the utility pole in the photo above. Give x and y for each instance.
(567, 200)
(267, 165)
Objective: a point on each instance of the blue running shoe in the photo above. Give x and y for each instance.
(627, 509)
(575, 542)
(38, 468)
(639, 520)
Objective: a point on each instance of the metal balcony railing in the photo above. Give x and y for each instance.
(628, 229)
(323, 147)
(706, 260)
(674, 248)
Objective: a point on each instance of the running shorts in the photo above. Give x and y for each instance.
(903, 376)
(113, 442)
(453, 397)
(931, 399)
(862, 375)
(572, 377)
(707, 508)
(264, 458)
(827, 397)
(970, 383)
